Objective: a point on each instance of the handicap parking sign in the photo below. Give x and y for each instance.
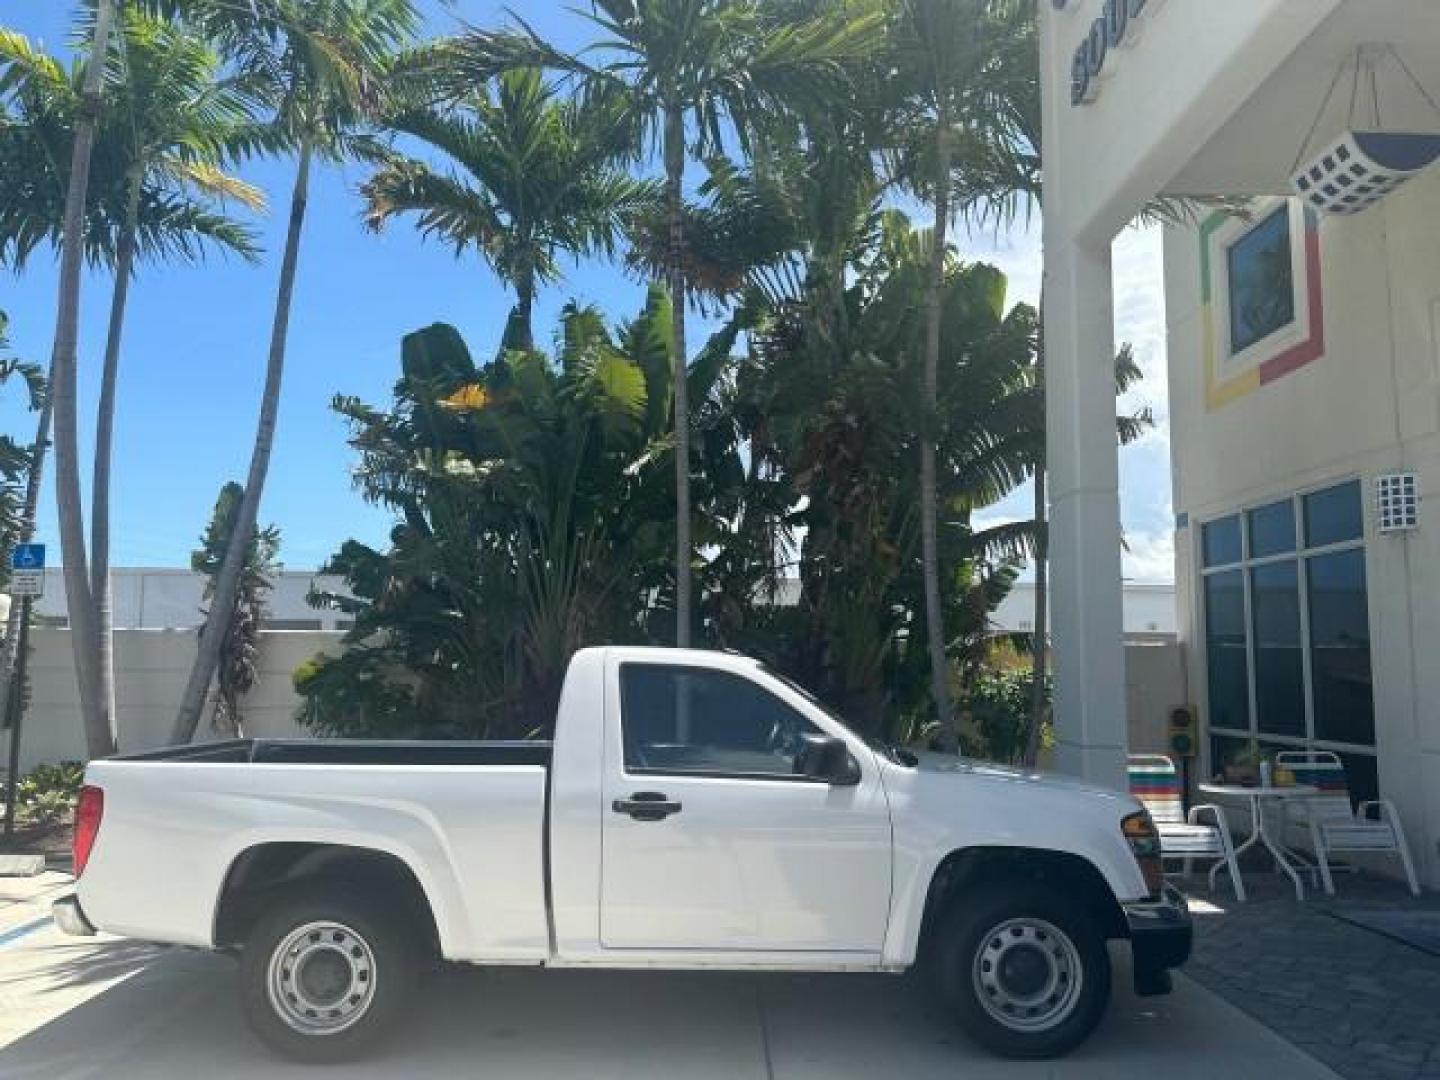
(28, 557)
(27, 570)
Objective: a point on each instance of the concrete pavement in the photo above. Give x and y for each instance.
(80, 1010)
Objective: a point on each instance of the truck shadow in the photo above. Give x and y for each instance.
(176, 1016)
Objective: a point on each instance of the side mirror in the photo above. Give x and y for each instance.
(824, 757)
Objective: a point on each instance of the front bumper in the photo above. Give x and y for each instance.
(70, 917)
(1161, 932)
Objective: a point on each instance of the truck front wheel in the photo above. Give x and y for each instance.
(325, 973)
(1024, 974)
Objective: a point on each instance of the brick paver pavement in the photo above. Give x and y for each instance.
(1364, 1004)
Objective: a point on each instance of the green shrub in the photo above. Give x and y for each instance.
(48, 793)
(996, 714)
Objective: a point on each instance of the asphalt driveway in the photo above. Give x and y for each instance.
(75, 1010)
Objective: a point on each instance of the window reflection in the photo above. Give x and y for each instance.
(1334, 516)
(1340, 649)
(1279, 665)
(1225, 645)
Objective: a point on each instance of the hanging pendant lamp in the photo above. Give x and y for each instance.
(1363, 165)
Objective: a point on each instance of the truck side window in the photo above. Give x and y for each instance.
(684, 720)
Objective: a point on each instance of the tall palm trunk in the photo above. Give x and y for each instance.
(227, 581)
(929, 526)
(1040, 658)
(104, 440)
(100, 738)
(674, 178)
(34, 480)
(1039, 661)
(525, 309)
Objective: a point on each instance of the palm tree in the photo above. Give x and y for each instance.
(172, 123)
(100, 734)
(534, 181)
(151, 182)
(686, 72)
(322, 65)
(945, 50)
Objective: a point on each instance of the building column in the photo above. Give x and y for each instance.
(1086, 594)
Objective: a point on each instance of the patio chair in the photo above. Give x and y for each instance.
(1154, 781)
(1335, 825)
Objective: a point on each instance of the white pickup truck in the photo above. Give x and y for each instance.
(695, 810)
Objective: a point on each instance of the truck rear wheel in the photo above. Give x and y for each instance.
(326, 973)
(1025, 974)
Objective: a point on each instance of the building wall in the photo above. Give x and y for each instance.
(1149, 608)
(152, 598)
(152, 666)
(151, 669)
(1155, 682)
(1369, 405)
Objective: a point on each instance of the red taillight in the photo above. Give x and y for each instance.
(88, 812)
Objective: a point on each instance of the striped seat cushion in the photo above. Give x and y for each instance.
(1156, 784)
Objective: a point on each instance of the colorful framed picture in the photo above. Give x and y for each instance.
(1263, 312)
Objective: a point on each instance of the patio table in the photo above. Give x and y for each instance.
(1260, 834)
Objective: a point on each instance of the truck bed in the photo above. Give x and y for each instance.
(352, 752)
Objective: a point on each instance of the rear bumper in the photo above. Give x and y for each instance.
(70, 917)
(1161, 933)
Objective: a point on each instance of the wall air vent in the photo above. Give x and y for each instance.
(1397, 502)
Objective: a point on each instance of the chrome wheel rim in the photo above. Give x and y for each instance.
(1027, 974)
(321, 978)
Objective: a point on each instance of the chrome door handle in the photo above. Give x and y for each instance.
(646, 806)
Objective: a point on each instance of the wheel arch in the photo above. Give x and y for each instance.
(970, 867)
(262, 870)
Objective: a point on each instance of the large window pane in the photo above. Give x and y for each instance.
(1226, 751)
(1279, 664)
(1221, 541)
(1361, 777)
(1272, 529)
(1340, 649)
(1225, 650)
(1334, 515)
(686, 720)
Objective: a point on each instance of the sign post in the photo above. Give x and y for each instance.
(27, 581)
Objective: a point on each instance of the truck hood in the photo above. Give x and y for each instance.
(1023, 780)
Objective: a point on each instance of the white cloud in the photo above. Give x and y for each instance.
(1150, 556)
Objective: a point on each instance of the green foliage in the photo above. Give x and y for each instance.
(536, 179)
(239, 658)
(534, 518)
(167, 123)
(830, 405)
(48, 793)
(995, 715)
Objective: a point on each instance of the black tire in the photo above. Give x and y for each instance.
(359, 941)
(1019, 946)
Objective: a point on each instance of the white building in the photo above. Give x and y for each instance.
(151, 598)
(1304, 375)
(1149, 610)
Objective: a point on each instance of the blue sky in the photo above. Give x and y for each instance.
(196, 338)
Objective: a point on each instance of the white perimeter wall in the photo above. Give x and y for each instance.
(151, 669)
(1371, 405)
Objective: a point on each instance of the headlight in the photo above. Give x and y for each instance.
(1144, 841)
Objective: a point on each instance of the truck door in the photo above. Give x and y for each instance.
(711, 841)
